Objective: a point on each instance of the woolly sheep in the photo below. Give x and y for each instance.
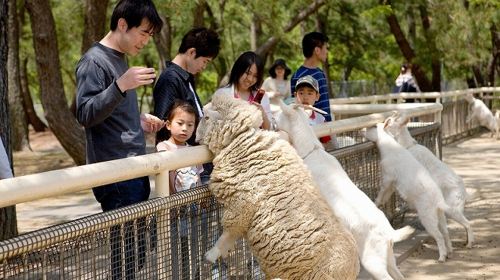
(451, 185)
(479, 112)
(269, 199)
(373, 233)
(401, 171)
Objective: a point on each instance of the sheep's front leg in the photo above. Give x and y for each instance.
(222, 246)
(234, 226)
(386, 190)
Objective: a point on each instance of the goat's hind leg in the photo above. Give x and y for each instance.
(459, 217)
(392, 267)
(443, 228)
(429, 220)
(374, 258)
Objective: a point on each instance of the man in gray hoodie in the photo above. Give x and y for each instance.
(107, 108)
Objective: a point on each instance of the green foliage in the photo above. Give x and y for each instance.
(361, 45)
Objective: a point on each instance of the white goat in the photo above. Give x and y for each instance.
(401, 171)
(479, 112)
(451, 185)
(270, 199)
(373, 233)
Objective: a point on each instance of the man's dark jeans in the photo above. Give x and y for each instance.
(117, 195)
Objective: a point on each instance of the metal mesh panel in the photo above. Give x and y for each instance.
(361, 163)
(166, 238)
(454, 126)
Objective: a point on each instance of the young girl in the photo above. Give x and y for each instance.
(244, 81)
(181, 122)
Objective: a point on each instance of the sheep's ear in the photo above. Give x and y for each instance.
(212, 114)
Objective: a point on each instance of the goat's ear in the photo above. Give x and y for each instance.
(315, 109)
(388, 122)
(405, 120)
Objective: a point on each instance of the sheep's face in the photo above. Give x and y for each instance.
(224, 119)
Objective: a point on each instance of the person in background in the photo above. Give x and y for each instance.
(278, 84)
(114, 128)
(307, 93)
(181, 123)
(405, 81)
(5, 170)
(198, 48)
(315, 50)
(244, 81)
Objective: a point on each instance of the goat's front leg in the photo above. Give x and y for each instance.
(386, 190)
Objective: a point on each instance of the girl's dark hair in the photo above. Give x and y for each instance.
(134, 11)
(311, 41)
(243, 64)
(183, 106)
(164, 134)
(205, 41)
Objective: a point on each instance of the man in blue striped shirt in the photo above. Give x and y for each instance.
(315, 50)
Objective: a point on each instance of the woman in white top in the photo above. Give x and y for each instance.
(244, 81)
(278, 84)
(5, 170)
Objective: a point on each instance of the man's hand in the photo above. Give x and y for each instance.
(136, 77)
(150, 123)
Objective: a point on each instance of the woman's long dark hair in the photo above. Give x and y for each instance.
(242, 65)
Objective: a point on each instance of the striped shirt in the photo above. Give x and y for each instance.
(324, 101)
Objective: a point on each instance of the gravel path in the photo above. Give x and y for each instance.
(477, 160)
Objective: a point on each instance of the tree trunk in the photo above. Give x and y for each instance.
(433, 50)
(495, 54)
(62, 123)
(163, 42)
(29, 109)
(273, 40)
(94, 28)
(95, 22)
(16, 110)
(8, 223)
(406, 49)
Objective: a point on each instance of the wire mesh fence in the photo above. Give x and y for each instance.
(167, 238)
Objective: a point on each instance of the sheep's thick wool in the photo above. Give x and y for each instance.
(270, 199)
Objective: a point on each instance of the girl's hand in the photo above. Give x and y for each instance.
(150, 123)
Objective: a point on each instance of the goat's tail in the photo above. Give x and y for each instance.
(402, 233)
(497, 115)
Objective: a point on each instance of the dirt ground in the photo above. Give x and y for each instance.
(47, 154)
(477, 160)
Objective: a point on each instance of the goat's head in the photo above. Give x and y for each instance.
(396, 123)
(469, 97)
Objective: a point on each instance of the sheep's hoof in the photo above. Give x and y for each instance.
(442, 259)
(212, 255)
